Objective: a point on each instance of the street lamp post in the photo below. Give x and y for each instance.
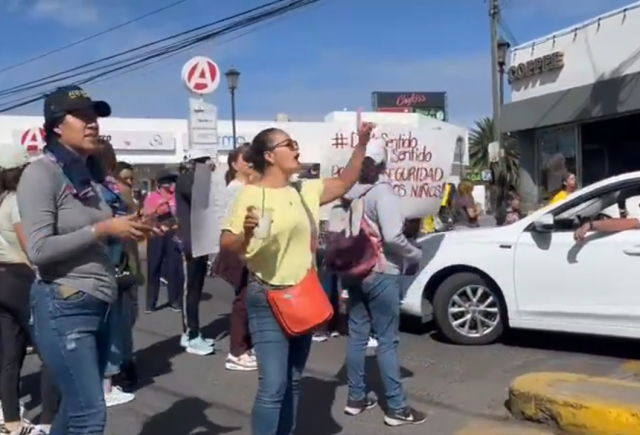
(232, 82)
(503, 50)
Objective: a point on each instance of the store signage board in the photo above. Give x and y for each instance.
(203, 126)
(149, 141)
(535, 67)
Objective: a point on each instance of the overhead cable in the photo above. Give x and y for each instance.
(155, 48)
(90, 37)
(133, 61)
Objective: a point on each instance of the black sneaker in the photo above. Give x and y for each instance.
(128, 377)
(355, 407)
(404, 416)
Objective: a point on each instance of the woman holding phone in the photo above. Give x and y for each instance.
(66, 222)
(164, 255)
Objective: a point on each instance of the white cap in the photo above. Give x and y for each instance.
(13, 156)
(196, 154)
(377, 150)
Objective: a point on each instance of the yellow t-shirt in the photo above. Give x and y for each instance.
(284, 257)
(560, 196)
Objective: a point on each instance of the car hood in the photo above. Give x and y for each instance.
(432, 244)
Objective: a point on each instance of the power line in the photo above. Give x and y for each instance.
(502, 23)
(507, 31)
(165, 64)
(77, 70)
(89, 38)
(277, 8)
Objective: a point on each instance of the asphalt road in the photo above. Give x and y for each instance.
(461, 387)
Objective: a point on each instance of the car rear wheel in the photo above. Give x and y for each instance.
(467, 310)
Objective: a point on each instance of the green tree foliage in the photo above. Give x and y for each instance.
(480, 136)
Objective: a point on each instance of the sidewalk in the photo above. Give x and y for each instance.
(577, 404)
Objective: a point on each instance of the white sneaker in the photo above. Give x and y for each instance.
(117, 397)
(242, 363)
(2, 413)
(198, 346)
(184, 340)
(320, 337)
(25, 429)
(373, 342)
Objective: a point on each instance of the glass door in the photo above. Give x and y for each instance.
(556, 153)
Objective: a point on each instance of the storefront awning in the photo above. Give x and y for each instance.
(602, 98)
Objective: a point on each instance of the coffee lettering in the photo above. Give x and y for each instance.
(539, 65)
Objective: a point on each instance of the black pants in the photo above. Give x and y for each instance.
(196, 271)
(164, 260)
(15, 286)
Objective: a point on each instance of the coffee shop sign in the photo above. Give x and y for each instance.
(534, 67)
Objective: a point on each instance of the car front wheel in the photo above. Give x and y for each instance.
(467, 310)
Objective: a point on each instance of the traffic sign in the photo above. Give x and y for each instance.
(33, 140)
(201, 75)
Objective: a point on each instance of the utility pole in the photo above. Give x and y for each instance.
(494, 18)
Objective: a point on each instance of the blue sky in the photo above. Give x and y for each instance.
(326, 57)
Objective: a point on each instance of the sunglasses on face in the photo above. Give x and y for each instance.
(287, 143)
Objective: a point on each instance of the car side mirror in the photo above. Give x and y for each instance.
(544, 224)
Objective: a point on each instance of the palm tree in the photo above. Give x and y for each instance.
(480, 136)
(479, 139)
(507, 169)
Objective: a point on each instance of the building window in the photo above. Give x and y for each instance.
(556, 150)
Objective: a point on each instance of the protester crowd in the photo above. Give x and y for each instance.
(70, 231)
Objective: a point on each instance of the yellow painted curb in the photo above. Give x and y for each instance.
(577, 404)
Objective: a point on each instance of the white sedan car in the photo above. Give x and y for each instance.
(533, 275)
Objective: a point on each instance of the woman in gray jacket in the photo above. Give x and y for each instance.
(374, 302)
(67, 223)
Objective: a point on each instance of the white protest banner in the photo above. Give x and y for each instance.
(420, 157)
(208, 206)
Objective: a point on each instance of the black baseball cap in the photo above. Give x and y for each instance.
(166, 176)
(68, 99)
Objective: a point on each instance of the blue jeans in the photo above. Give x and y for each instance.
(121, 319)
(281, 361)
(374, 305)
(72, 337)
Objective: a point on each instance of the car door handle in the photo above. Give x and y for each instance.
(634, 251)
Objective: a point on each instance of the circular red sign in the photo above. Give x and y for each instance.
(33, 140)
(202, 75)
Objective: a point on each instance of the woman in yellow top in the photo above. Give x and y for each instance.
(568, 187)
(280, 256)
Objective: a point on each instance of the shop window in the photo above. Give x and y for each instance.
(609, 147)
(556, 154)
